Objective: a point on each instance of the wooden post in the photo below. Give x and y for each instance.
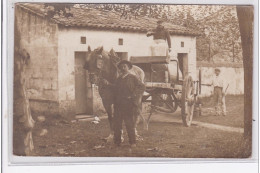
(22, 120)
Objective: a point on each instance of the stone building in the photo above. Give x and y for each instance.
(57, 83)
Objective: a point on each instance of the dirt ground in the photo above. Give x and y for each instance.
(163, 139)
(235, 112)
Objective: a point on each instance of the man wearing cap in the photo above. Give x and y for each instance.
(128, 89)
(219, 93)
(160, 36)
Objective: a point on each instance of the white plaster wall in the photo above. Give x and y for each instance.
(189, 48)
(232, 76)
(136, 44)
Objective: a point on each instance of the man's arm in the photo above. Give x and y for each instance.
(150, 33)
(168, 37)
(138, 87)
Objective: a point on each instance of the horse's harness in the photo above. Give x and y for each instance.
(99, 68)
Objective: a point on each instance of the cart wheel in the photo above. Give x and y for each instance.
(166, 102)
(187, 101)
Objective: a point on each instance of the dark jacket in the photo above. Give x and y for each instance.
(128, 89)
(163, 33)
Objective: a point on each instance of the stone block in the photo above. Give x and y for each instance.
(35, 84)
(47, 84)
(34, 94)
(54, 84)
(49, 73)
(50, 94)
(36, 73)
(43, 107)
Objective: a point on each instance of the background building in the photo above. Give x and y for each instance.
(58, 46)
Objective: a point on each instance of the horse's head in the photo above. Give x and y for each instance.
(100, 62)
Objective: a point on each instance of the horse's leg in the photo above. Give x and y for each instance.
(139, 114)
(145, 125)
(109, 110)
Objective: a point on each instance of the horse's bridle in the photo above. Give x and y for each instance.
(98, 69)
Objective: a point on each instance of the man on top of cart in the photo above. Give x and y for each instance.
(160, 36)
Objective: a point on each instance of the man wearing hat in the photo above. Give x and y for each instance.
(128, 89)
(160, 36)
(219, 93)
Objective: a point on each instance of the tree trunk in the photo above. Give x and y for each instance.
(245, 18)
(22, 119)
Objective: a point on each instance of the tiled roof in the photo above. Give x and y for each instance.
(107, 20)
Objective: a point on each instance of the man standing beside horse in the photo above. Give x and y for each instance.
(103, 70)
(128, 89)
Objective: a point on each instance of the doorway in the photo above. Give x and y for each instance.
(83, 89)
(122, 55)
(183, 63)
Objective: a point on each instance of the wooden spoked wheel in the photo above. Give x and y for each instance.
(165, 101)
(187, 101)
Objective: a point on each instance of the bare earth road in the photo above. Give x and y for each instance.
(165, 138)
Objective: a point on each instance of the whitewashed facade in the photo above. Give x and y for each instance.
(136, 44)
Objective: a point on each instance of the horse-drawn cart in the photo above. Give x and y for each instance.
(169, 86)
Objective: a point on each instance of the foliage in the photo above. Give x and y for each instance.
(58, 9)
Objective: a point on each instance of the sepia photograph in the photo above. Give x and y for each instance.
(132, 80)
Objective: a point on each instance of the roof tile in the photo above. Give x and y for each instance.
(97, 18)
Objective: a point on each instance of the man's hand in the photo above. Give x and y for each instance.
(170, 49)
(223, 93)
(149, 33)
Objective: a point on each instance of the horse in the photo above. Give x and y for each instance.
(103, 71)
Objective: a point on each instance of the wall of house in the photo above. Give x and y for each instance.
(233, 74)
(136, 44)
(39, 37)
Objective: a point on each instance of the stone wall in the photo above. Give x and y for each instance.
(233, 73)
(38, 36)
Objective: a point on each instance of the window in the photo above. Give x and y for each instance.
(182, 44)
(83, 40)
(120, 41)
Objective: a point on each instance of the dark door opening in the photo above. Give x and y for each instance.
(122, 55)
(183, 63)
